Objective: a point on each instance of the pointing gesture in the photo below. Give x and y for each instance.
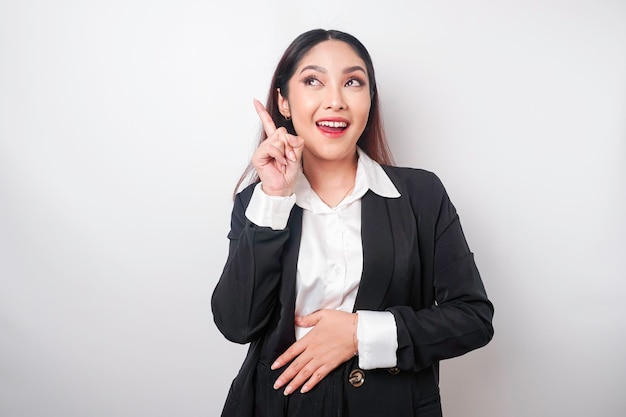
(277, 159)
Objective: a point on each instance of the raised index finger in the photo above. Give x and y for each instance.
(266, 119)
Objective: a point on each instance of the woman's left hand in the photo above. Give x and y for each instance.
(330, 343)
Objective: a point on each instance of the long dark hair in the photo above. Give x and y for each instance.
(372, 141)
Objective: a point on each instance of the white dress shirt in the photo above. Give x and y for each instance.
(330, 262)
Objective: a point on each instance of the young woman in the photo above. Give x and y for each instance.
(350, 278)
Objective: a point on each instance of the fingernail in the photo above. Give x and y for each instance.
(288, 390)
(292, 156)
(278, 383)
(304, 389)
(275, 365)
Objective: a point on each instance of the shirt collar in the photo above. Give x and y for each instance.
(369, 176)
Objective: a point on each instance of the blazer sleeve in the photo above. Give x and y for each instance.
(247, 290)
(459, 319)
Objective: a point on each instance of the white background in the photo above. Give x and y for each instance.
(124, 126)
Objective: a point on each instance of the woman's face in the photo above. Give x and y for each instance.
(329, 101)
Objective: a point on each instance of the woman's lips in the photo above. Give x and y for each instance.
(332, 127)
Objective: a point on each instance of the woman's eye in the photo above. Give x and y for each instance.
(354, 82)
(311, 81)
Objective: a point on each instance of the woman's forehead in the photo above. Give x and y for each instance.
(331, 53)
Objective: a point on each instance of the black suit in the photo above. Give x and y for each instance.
(417, 265)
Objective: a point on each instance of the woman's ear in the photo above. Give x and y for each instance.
(283, 105)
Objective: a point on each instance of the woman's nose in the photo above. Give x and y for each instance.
(334, 99)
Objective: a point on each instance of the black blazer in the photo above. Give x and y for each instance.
(417, 265)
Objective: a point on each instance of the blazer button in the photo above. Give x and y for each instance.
(393, 371)
(356, 378)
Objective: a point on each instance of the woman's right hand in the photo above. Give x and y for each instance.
(277, 159)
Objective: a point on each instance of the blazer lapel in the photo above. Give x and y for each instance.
(378, 252)
(290, 259)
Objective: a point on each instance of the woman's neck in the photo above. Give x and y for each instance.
(331, 181)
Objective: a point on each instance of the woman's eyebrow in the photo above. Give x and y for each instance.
(354, 68)
(314, 68)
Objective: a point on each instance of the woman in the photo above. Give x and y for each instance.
(350, 278)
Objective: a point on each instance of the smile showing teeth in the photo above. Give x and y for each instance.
(332, 124)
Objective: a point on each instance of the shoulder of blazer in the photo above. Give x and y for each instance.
(422, 187)
(410, 176)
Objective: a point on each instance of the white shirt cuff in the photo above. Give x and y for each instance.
(269, 211)
(378, 340)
